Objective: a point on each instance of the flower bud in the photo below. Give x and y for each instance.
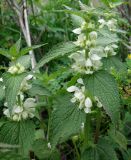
(13, 70)
(93, 35)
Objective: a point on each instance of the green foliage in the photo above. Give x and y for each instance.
(66, 119)
(41, 150)
(102, 151)
(12, 86)
(103, 86)
(18, 133)
(57, 51)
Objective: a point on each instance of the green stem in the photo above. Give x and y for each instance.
(98, 125)
(76, 149)
(87, 130)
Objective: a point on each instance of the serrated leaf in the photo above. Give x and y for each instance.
(114, 62)
(18, 133)
(39, 90)
(106, 150)
(90, 154)
(27, 49)
(9, 155)
(12, 86)
(103, 85)
(5, 53)
(55, 52)
(66, 119)
(118, 137)
(2, 91)
(101, 151)
(41, 150)
(24, 61)
(14, 50)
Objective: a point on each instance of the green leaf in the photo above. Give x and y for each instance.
(12, 84)
(18, 133)
(103, 85)
(27, 49)
(39, 90)
(101, 151)
(118, 137)
(2, 91)
(115, 63)
(41, 150)
(14, 50)
(57, 51)
(5, 53)
(66, 119)
(9, 155)
(106, 150)
(90, 154)
(24, 61)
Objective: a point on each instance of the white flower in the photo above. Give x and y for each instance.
(87, 110)
(79, 95)
(16, 69)
(112, 24)
(77, 31)
(99, 104)
(6, 113)
(81, 40)
(49, 145)
(24, 115)
(1, 79)
(93, 35)
(72, 89)
(29, 103)
(88, 63)
(4, 87)
(88, 103)
(18, 109)
(13, 70)
(102, 23)
(80, 81)
(16, 117)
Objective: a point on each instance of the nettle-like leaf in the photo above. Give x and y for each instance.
(66, 119)
(101, 151)
(14, 50)
(106, 37)
(12, 86)
(18, 133)
(57, 51)
(103, 85)
(118, 137)
(2, 91)
(9, 155)
(38, 90)
(41, 150)
(114, 63)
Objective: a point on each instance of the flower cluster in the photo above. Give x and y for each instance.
(111, 24)
(24, 108)
(88, 59)
(80, 97)
(16, 69)
(21, 111)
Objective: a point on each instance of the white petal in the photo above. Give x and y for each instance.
(30, 76)
(87, 110)
(80, 81)
(73, 100)
(72, 89)
(88, 102)
(93, 35)
(18, 109)
(88, 63)
(95, 57)
(7, 113)
(1, 79)
(29, 103)
(79, 95)
(101, 21)
(24, 115)
(77, 31)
